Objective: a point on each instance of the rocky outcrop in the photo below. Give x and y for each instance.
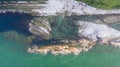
(88, 34)
(93, 31)
(41, 28)
(70, 7)
(97, 32)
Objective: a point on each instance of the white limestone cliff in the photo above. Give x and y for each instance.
(55, 7)
(97, 31)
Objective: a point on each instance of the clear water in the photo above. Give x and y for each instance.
(13, 54)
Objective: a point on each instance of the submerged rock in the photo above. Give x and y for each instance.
(75, 47)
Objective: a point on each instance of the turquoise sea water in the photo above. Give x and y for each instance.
(13, 53)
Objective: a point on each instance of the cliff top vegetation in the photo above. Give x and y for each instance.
(103, 4)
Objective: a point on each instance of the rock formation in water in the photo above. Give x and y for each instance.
(89, 31)
(88, 34)
(57, 31)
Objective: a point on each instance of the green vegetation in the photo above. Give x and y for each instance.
(103, 4)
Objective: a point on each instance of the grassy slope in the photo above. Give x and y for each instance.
(103, 4)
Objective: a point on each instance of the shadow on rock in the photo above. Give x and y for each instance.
(15, 21)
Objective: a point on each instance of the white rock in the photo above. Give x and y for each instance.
(116, 43)
(95, 31)
(54, 7)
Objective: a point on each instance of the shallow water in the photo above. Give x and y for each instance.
(13, 53)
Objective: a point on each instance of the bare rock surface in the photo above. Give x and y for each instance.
(41, 29)
(70, 7)
(97, 31)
